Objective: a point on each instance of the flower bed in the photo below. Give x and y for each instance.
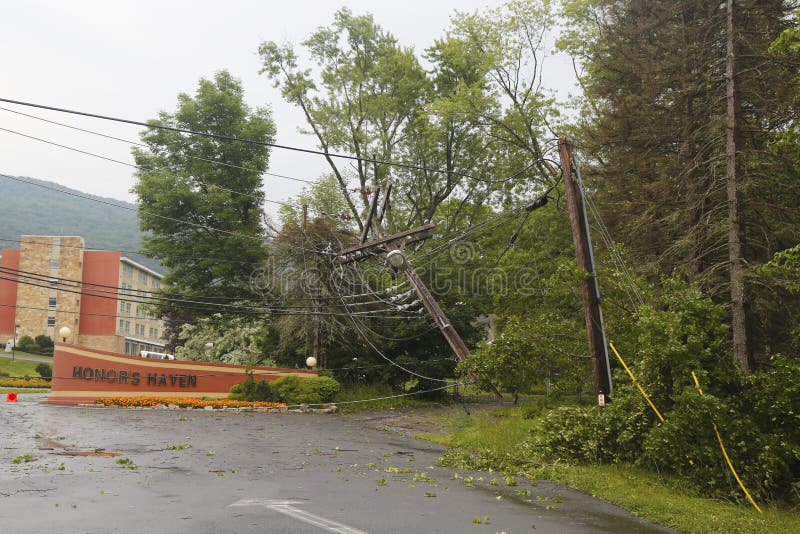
(24, 383)
(184, 402)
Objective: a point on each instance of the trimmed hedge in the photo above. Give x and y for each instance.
(289, 389)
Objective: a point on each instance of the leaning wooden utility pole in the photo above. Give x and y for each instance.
(590, 289)
(393, 246)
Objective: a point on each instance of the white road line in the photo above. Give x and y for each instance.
(287, 508)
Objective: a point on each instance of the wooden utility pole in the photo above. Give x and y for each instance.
(589, 287)
(393, 245)
(448, 331)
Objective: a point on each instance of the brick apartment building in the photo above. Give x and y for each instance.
(52, 281)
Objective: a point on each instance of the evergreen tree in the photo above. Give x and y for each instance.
(657, 121)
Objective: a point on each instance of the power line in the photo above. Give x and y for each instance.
(144, 299)
(239, 139)
(142, 168)
(57, 310)
(39, 243)
(135, 210)
(128, 141)
(251, 311)
(161, 292)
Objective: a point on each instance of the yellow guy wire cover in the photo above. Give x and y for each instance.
(641, 390)
(725, 453)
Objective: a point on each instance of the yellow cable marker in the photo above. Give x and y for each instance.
(725, 453)
(641, 390)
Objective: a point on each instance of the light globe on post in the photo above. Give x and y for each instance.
(311, 362)
(64, 332)
(396, 259)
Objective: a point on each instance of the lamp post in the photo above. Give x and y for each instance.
(64, 332)
(14, 344)
(311, 362)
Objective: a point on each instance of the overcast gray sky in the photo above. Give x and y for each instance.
(130, 59)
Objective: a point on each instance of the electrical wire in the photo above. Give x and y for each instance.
(237, 139)
(247, 311)
(143, 299)
(135, 210)
(382, 355)
(48, 244)
(136, 143)
(129, 291)
(146, 169)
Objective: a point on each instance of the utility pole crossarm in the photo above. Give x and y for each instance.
(392, 245)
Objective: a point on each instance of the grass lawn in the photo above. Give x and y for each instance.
(18, 368)
(22, 391)
(497, 433)
(373, 397)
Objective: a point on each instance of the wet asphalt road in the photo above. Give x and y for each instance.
(198, 471)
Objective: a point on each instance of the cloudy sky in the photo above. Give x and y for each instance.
(130, 59)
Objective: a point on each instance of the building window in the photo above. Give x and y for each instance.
(51, 302)
(54, 264)
(121, 325)
(143, 276)
(127, 270)
(51, 321)
(53, 282)
(156, 284)
(127, 307)
(155, 333)
(127, 327)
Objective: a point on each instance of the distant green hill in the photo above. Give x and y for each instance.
(31, 210)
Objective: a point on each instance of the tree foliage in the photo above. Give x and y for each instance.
(654, 129)
(227, 339)
(199, 214)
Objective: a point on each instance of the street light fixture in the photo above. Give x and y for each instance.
(396, 259)
(64, 332)
(311, 362)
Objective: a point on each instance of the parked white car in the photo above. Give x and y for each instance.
(156, 355)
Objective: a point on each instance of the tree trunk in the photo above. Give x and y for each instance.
(741, 345)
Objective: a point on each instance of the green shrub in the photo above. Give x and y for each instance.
(573, 434)
(757, 415)
(774, 397)
(687, 445)
(289, 389)
(44, 342)
(26, 344)
(252, 390)
(45, 370)
(322, 387)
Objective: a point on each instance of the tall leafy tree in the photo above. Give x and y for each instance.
(200, 197)
(460, 126)
(359, 102)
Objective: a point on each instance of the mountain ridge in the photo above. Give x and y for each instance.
(40, 207)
